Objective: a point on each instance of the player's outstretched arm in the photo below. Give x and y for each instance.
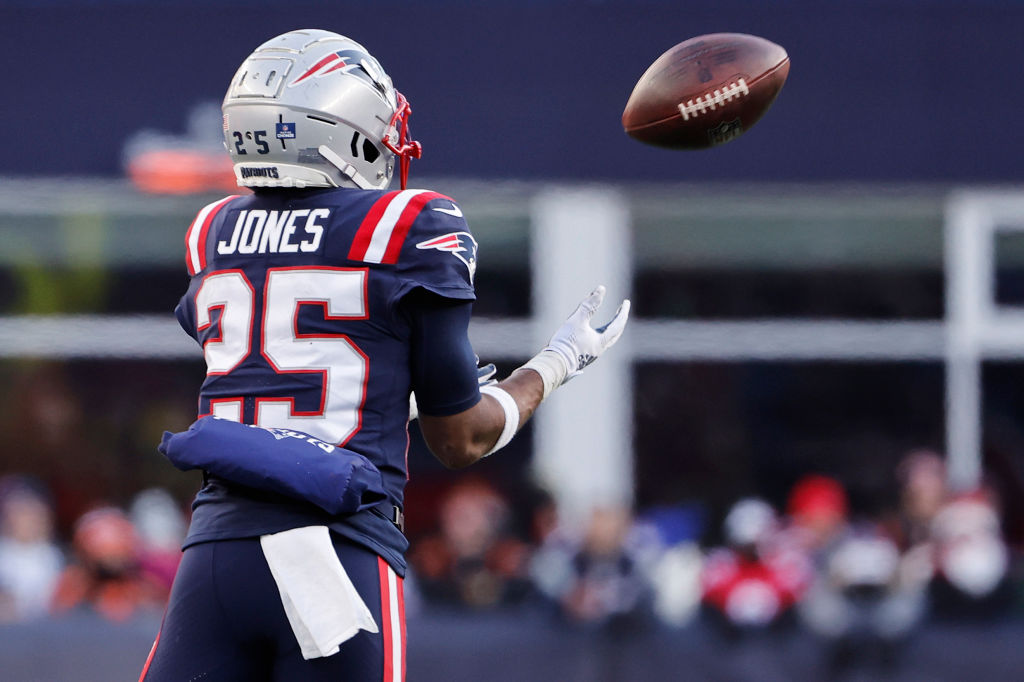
(462, 439)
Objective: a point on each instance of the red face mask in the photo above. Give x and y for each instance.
(403, 147)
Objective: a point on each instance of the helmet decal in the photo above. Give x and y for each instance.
(284, 131)
(348, 61)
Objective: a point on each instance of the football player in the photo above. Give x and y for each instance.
(322, 301)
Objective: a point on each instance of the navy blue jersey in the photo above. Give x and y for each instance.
(296, 298)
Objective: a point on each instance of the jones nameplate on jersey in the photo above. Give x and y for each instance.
(260, 231)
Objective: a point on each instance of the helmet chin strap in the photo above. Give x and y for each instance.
(347, 169)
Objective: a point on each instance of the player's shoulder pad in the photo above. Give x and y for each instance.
(440, 242)
(406, 218)
(195, 238)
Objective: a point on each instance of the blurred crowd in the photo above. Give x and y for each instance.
(116, 563)
(861, 584)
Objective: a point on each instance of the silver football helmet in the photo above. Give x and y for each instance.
(312, 108)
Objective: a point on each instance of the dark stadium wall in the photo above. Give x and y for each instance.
(915, 91)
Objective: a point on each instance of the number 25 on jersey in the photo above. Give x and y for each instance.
(341, 292)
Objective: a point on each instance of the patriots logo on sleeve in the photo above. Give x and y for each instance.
(459, 244)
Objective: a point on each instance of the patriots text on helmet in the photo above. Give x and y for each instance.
(268, 172)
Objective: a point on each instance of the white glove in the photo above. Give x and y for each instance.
(484, 377)
(485, 374)
(576, 344)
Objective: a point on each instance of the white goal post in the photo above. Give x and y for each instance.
(977, 326)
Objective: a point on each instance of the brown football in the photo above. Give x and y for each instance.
(706, 91)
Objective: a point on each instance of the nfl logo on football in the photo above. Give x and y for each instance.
(725, 131)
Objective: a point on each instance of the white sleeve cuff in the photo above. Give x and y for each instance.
(552, 368)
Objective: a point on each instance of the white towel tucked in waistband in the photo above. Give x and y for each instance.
(322, 605)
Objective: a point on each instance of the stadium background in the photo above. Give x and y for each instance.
(833, 208)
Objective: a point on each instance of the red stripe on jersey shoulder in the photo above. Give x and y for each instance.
(361, 242)
(195, 244)
(405, 221)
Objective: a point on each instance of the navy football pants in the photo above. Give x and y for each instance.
(225, 621)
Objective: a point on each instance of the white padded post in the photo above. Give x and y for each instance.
(583, 451)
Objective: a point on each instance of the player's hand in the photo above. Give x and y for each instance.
(484, 377)
(576, 344)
